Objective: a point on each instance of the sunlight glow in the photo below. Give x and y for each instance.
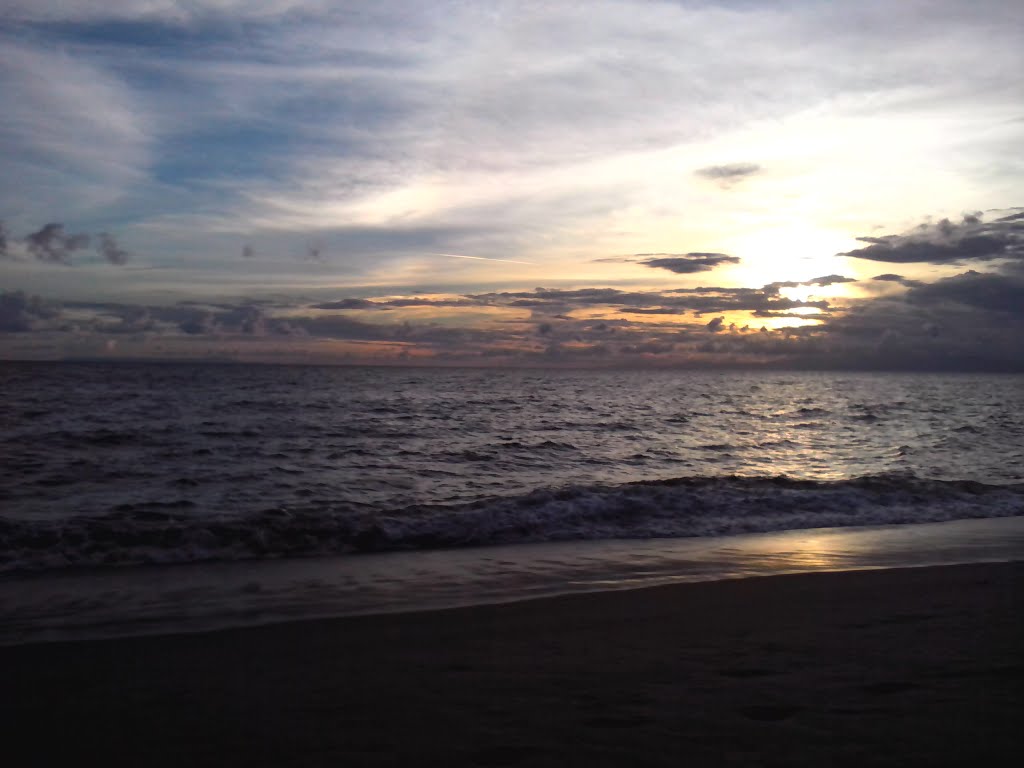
(794, 252)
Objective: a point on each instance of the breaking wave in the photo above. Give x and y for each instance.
(172, 532)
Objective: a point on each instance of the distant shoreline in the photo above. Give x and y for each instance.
(959, 370)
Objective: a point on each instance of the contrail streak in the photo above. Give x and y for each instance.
(481, 258)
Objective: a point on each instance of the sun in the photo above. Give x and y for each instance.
(789, 253)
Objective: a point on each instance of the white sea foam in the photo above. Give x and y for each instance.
(683, 507)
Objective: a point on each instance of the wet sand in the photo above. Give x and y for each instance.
(898, 667)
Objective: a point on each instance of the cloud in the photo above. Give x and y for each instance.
(74, 135)
(423, 302)
(829, 280)
(52, 244)
(890, 277)
(948, 243)
(346, 304)
(413, 301)
(109, 249)
(687, 263)
(288, 116)
(646, 348)
(909, 252)
(21, 312)
(701, 300)
(178, 11)
(727, 175)
(773, 288)
(248, 252)
(972, 321)
(986, 292)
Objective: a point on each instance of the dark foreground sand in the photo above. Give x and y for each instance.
(904, 667)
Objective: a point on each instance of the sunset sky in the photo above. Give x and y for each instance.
(635, 183)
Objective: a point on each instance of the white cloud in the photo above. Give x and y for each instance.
(72, 136)
(553, 130)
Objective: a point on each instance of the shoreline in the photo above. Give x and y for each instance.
(871, 667)
(75, 604)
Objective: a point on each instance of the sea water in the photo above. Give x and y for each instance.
(113, 469)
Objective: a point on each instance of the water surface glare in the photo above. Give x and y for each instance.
(127, 464)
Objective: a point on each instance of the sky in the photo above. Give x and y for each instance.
(629, 183)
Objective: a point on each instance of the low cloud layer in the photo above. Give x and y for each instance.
(20, 313)
(969, 321)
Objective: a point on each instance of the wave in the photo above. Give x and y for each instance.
(684, 507)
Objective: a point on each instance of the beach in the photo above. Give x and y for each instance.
(918, 666)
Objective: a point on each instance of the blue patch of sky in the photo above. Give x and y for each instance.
(153, 35)
(224, 152)
(209, 36)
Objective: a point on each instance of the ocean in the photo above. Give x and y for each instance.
(307, 488)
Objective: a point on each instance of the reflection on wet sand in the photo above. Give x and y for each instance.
(108, 602)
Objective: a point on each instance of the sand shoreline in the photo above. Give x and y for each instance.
(914, 666)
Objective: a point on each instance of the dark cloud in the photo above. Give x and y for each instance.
(248, 252)
(949, 243)
(196, 325)
(889, 277)
(970, 322)
(130, 320)
(822, 281)
(315, 253)
(687, 263)
(983, 291)
(413, 301)
(767, 299)
(763, 313)
(108, 248)
(20, 312)
(829, 280)
(53, 244)
(702, 300)
(416, 301)
(548, 297)
(646, 348)
(910, 252)
(728, 174)
(345, 304)
(189, 318)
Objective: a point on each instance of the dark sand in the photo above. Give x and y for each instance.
(902, 667)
